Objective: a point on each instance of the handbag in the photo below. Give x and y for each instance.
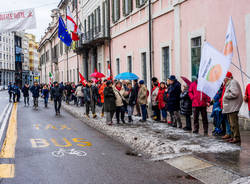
(125, 103)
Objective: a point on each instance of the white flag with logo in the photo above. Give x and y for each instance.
(17, 20)
(213, 69)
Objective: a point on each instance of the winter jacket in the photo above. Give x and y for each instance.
(185, 103)
(119, 96)
(15, 89)
(68, 89)
(109, 99)
(101, 92)
(45, 93)
(216, 103)
(198, 98)
(160, 99)
(247, 94)
(173, 97)
(10, 88)
(79, 92)
(136, 88)
(154, 96)
(143, 95)
(57, 92)
(232, 99)
(88, 98)
(35, 90)
(25, 91)
(132, 97)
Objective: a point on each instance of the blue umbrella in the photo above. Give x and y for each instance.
(126, 76)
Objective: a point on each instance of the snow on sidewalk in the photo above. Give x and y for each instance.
(158, 141)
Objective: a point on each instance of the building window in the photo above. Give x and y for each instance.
(61, 48)
(140, 3)
(195, 56)
(118, 66)
(99, 67)
(115, 10)
(129, 64)
(74, 75)
(127, 7)
(165, 63)
(144, 66)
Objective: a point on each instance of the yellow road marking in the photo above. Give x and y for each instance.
(9, 145)
(7, 170)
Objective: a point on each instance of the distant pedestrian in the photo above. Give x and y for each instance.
(186, 107)
(35, 90)
(10, 91)
(161, 102)
(45, 95)
(200, 102)
(232, 101)
(120, 100)
(154, 101)
(68, 92)
(109, 102)
(57, 93)
(15, 90)
(79, 94)
(101, 93)
(25, 91)
(143, 100)
(131, 99)
(90, 98)
(247, 97)
(136, 87)
(173, 101)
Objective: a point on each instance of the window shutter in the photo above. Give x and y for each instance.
(113, 11)
(130, 6)
(123, 7)
(137, 3)
(118, 10)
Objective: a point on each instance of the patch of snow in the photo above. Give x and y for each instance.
(245, 180)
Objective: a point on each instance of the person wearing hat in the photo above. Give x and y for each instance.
(232, 101)
(90, 98)
(172, 98)
(109, 102)
(143, 100)
(57, 93)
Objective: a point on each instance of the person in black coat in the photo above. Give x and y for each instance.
(131, 99)
(90, 98)
(68, 91)
(136, 88)
(35, 90)
(186, 108)
(172, 99)
(10, 91)
(57, 93)
(109, 102)
(25, 91)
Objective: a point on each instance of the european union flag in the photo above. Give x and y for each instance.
(63, 33)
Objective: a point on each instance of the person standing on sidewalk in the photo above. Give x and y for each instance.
(10, 91)
(247, 97)
(109, 102)
(15, 89)
(120, 106)
(79, 94)
(90, 97)
(143, 100)
(101, 93)
(232, 101)
(35, 90)
(173, 101)
(200, 102)
(137, 106)
(186, 107)
(68, 92)
(45, 95)
(25, 91)
(154, 101)
(57, 93)
(131, 101)
(161, 102)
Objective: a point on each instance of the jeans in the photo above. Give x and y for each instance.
(88, 106)
(120, 110)
(144, 112)
(57, 104)
(26, 100)
(203, 111)
(130, 110)
(164, 113)
(175, 118)
(35, 100)
(14, 97)
(188, 121)
(109, 116)
(46, 101)
(10, 96)
(137, 106)
(80, 101)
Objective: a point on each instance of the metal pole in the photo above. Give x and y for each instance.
(240, 70)
(78, 42)
(150, 40)
(67, 65)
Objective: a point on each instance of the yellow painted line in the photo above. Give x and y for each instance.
(9, 145)
(7, 170)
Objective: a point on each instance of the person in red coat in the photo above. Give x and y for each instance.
(161, 102)
(200, 102)
(247, 97)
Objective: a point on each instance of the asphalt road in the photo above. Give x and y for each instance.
(37, 159)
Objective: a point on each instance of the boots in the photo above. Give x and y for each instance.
(130, 119)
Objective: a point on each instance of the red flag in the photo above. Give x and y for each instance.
(83, 80)
(109, 73)
(72, 26)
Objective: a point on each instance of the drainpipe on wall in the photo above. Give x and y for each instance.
(150, 41)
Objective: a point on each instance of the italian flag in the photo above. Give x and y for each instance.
(50, 78)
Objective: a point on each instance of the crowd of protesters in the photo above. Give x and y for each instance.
(169, 100)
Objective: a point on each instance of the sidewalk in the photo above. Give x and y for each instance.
(202, 157)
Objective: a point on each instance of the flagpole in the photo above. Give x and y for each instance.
(67, 52)
(240, 70)
(78, 41)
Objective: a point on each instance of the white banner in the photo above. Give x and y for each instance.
(17, 20)
(213, 69)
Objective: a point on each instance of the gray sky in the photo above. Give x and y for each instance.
(42, 9)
